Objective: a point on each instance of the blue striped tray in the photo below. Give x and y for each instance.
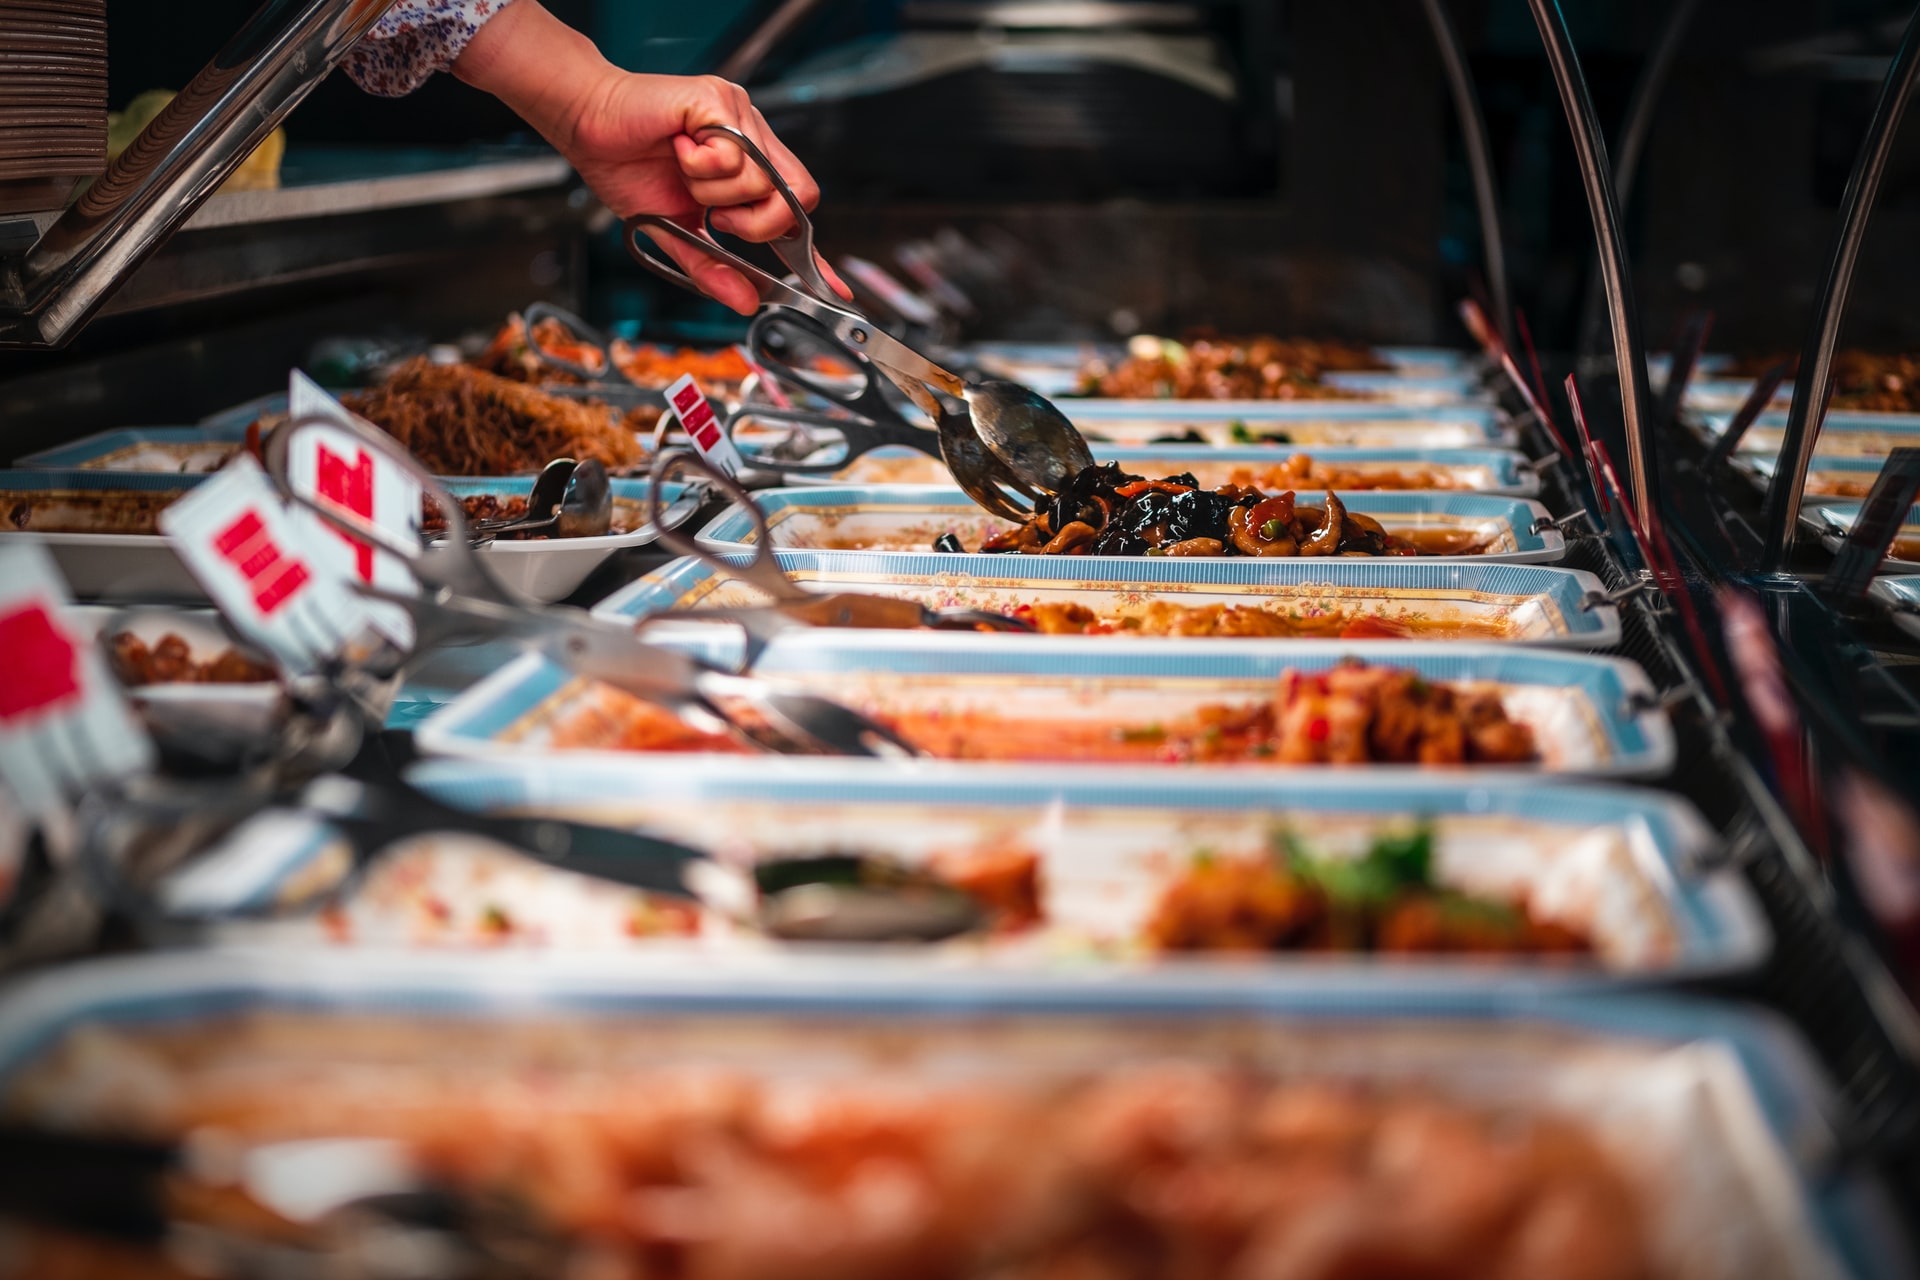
(1622, 865)
(1590, 715)
(1718, 1115)
(144, 566)
(904, 518)
(1538, 605)
(1465, 470)
(181, 450)
(1833, 519)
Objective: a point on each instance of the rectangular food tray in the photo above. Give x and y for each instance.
(1544, 606)
(1590, 715)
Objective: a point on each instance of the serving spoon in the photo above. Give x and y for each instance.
(583, 508)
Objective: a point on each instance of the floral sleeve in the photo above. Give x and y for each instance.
(414, 40)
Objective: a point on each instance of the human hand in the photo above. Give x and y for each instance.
(631, 138)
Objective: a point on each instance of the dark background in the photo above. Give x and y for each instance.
(1355, 218)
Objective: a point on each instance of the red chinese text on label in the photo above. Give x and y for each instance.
(351, 486)
(270, 574)
(696, 417)
(43, 668)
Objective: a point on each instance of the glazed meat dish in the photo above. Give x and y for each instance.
(1104, 511)
(1286, 899)
(462, 421)
(170, 660)
(621, 1159)
(1352, 714)
(1164, 618)
(1218, 368)
(510, 356)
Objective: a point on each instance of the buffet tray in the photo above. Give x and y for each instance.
(1590, 715)
(907, 518)
(144, 566)
(1833, 520)
(167, 450)
(1011, 359)
(1901, 596)
(1312, 423)
(1471, 470)
(1844, 433)
(1717, 1117)
(1627, 867)
(1542, 606)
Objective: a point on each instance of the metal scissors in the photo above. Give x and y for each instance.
(976, 468)
(608, 383)
(793, 605)
(461, 602)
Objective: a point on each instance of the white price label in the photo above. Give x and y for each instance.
(338, 467)
(263, 568)
(689, 404)
(64, 723)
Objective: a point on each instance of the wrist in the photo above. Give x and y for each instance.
(548, 73)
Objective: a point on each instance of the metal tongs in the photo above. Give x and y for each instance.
(460, 602)
(792, 605)
(858, 418)
(609, 383)
(1016, 437)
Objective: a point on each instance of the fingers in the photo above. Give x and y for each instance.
(723, 178)
(714, 278)
(833, 277)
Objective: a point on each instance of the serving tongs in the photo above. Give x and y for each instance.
(609, 383)
(792, 605)
(858, 417)
(461, 602)
(1021, 431)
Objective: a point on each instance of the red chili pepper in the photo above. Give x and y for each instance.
(1139, 487)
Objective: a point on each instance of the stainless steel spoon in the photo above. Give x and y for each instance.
(1027, 433)
(549, 487)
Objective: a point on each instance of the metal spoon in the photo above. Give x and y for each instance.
(587, 509)
(1027, 433)
(549, 487)
(583, 510)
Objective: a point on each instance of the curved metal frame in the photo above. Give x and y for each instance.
(1590, 148)
(1473, 130)
(1810, 388)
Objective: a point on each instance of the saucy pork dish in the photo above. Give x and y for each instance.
(1352, 714)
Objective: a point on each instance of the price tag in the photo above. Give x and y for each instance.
(338, 467)
(64, 724)
(689, 404)
(1881, 517)
(264, 569)
(1482, 330)
(882, 284)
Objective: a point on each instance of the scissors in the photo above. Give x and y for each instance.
(461, 602)
(608, 383)
(858, 416)
(793, 605)
(978, 469)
